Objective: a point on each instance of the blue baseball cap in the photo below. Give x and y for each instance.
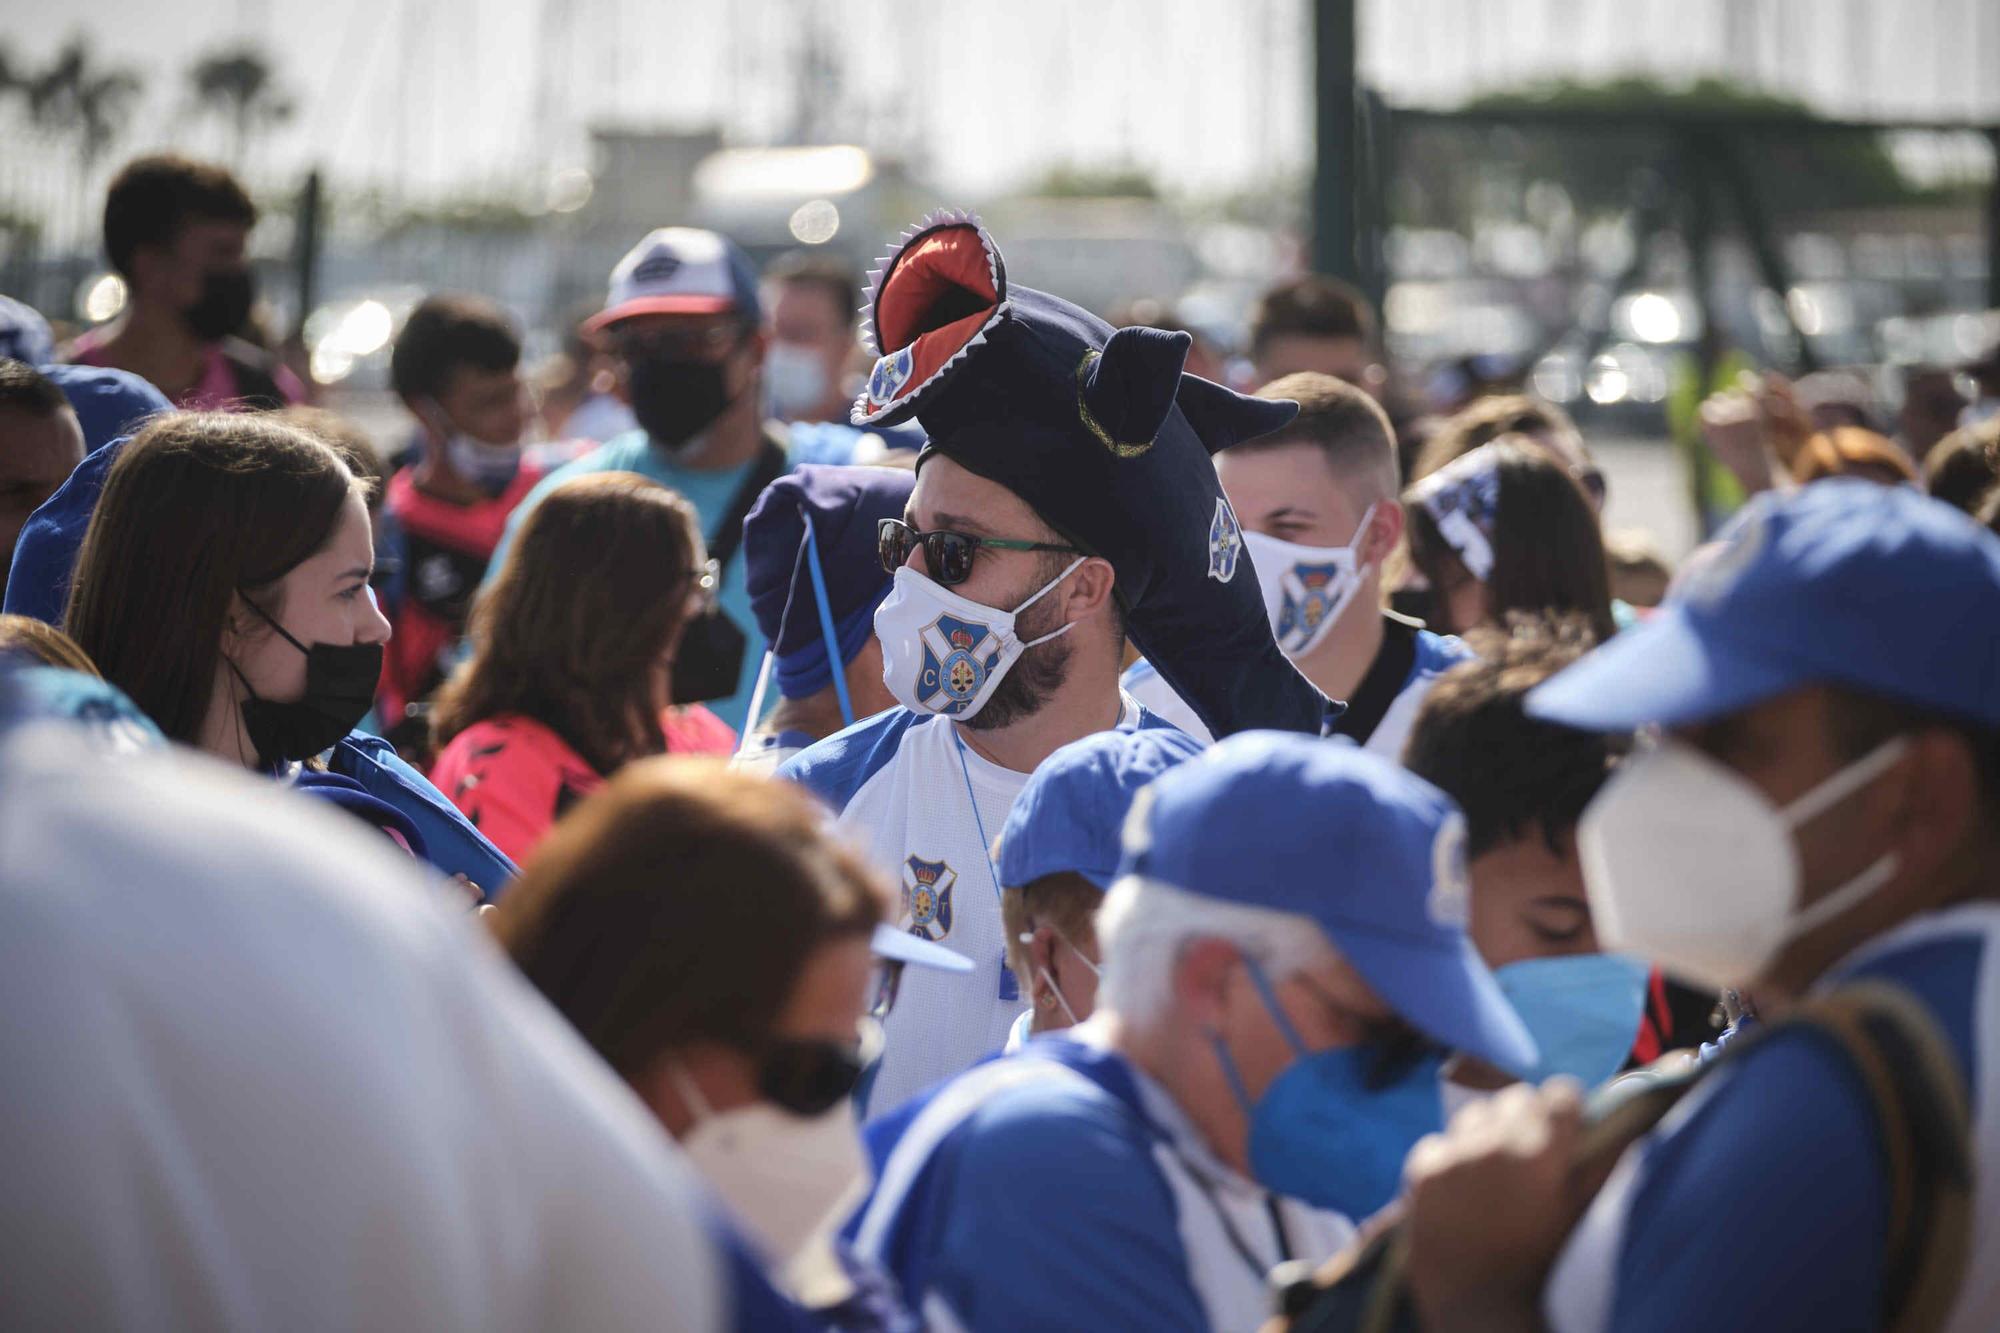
(24, 334)
(1843, 582)
(1068, 815)
(843, 504)
(1367, 850)
(900, 946)
(680, 271)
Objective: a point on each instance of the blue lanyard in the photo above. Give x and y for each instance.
(985, 844)
(833, 660)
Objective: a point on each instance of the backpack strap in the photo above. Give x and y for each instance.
(1921, 1108)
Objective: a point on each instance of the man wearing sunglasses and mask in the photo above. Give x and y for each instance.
(1066, 499)
(1821, 810)
(1278, 996)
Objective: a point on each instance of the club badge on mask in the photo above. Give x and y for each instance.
(945, 654)
(1307, 588)
(1689, 865)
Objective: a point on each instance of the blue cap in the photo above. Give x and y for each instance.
(24, 334)
(1369, 851)
(1843, 582)
(844, 505)
(1068, 815)
(680, 271)
(109, 403)
(900, 946)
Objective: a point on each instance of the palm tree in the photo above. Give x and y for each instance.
(76, 97)
(240, 87)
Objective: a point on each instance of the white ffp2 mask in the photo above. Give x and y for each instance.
(1306, 588)
(946, 654)
(1689, 865)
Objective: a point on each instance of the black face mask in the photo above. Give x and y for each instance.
(224, 303)
(340, 689)
(676, 400)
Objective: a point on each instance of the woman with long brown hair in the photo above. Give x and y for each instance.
(572, 657)
(1507, 528)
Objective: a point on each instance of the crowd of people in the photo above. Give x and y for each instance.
(967, 823)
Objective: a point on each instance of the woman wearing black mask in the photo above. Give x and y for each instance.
(223, 585)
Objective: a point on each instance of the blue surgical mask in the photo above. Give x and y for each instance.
(1328, 1130)
(1583, 1011)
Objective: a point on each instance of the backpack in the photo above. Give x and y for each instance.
(452, 843)
(1920, 1107)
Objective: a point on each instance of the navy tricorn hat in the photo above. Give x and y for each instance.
(1100, 433)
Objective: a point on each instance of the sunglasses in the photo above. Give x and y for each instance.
(808, 1078)
(948, 554)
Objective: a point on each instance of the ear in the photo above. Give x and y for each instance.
(1201, 981)
(1127, 389)
(1385, 533)
(235, 626)
(1938, 804)
(1089, 586)
(1222, 417)
(1041, 948)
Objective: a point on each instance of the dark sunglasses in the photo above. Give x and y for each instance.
(809, 1078)
(949, 554)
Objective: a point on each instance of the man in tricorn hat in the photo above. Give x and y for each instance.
(1066, 500)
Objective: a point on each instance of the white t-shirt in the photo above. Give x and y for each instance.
(926, 808)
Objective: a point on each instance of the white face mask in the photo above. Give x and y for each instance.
(1306, 588)
(946, 654)
(795, 380)
(1690, 866)
(491, 467)
(787, 1178)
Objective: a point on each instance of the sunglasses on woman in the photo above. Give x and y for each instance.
(948, 554)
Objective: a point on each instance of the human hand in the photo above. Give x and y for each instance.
(1734, 426)
(1489, 1203)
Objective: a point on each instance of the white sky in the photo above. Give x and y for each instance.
(445, 95)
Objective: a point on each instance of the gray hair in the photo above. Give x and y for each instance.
(1145, 926)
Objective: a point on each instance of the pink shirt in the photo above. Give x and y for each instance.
(215, 390)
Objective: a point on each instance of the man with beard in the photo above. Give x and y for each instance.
(1066, 498)
(176, 231)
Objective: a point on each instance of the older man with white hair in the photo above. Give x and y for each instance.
(1278, 994)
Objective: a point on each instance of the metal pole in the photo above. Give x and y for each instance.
(1993, 223)
(1334, 163)
(305, 250)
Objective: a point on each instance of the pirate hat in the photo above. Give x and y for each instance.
(1100, 433)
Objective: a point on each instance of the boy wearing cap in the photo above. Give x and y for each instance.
(1823, 809)
(815, 578)
(1058, 854)
(1260, 1060)
(682, 322)
(1065, 499)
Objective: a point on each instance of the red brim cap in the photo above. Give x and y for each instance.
(659, 305)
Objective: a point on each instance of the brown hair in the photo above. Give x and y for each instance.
(153, 198)
(678, 904)
(571, 632)
(1548, 552)
(1511, 774)
(345, 436)
(1963, 466)
(1343, 422)
(1311, 305)
(1065, 900)
(28, 637)
(199, 508)
(1485, 420)
(1853, 451)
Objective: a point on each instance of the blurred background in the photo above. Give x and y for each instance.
(1617, 203)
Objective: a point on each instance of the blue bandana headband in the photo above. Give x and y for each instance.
(1463, 499)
